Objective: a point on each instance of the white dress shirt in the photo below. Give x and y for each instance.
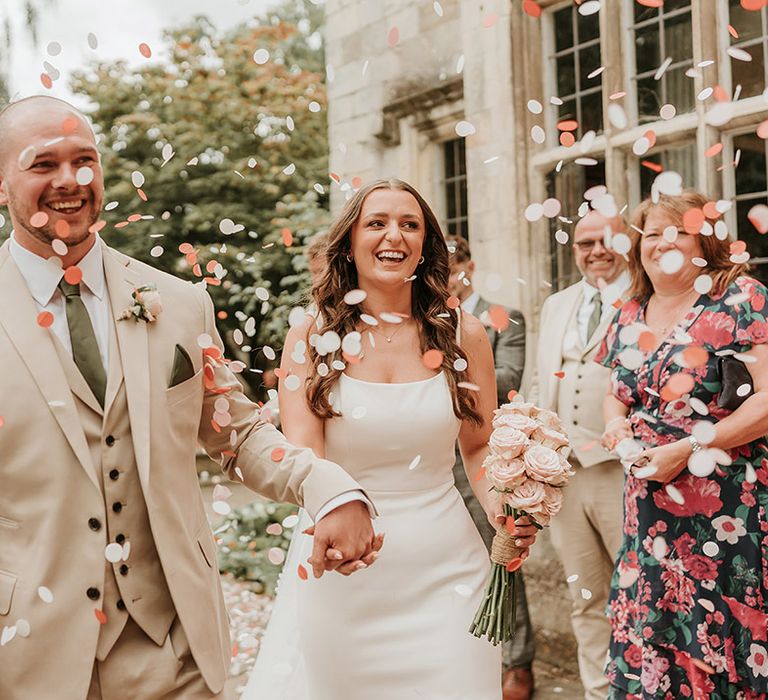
(610, 293)
(470, 303)
(43, 276)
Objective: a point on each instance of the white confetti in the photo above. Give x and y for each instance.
(572, 578)
(589, 8)
(438, 8)
(355, 296)
(663, 68)
(22, 628)
(586, 594)
(113, 552)
(533, 212)
(460, 364)
(204, 340)
(137, 178)
(260, 56)
(414, 462)
(93, 42)
(671, 261)
(667, 111)
(739, 54)
(537, 134)
(157, 251)
(659, 548)
(711, 549)
(289, 169)
(535, 107)
(674, 494)
(290, 521)
(276, 555)
(221, 507)
(617, 116)
(45, 594)
(464, 129)
(463, 590)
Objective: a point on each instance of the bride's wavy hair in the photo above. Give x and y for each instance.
(436, 323)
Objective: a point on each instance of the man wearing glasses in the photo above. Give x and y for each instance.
(587, 532)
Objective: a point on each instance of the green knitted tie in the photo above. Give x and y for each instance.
(597, 312)
(85, 349)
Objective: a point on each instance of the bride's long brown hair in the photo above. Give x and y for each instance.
(436, 323)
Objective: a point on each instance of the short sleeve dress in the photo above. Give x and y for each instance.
(689, 594)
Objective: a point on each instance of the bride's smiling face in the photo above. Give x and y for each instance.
(387, 238)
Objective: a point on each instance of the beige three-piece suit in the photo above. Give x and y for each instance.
(75, 477)
(587, 531)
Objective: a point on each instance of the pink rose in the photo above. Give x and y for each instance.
(549, 438)
(522, 408)
(517, 421)
(544, 464)
(504, 474)
(507, 442)
(529, 496)
(150, 300)
(548, 419)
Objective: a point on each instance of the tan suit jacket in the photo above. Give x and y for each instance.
(557, 325)
(49, 485)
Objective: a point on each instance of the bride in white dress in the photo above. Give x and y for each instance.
(399, 629)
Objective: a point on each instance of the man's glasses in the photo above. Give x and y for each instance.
(588, 246)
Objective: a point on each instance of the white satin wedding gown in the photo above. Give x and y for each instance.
(398, 630)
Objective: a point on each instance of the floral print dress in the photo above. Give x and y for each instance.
(689, 594)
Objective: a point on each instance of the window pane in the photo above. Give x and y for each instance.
(463, 197)
(670, 5)
(450, 161)
(591, 113)
(679, 89)
(643, 13)
(678, 37)
(589, 60)
(745, 22)
(647, 49)
(588, 27)
(648, 98)
(462, 156)
(681, 160)
(566, 75)
(751, 171)
(451, 200)
(563, 28)
(749, 74)
(567, 110)
(757, 244)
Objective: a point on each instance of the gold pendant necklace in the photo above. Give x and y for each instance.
(388, 338)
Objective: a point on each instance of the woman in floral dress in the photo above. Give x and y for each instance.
(689, 595)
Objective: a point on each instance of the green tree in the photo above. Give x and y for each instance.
(249, 138)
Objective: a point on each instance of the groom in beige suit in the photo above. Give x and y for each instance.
(109, 586)
(587, 531)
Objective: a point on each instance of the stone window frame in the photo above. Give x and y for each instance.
(727, 40)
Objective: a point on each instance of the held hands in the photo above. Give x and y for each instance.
(525, 534)
(662, 463)
(344, 540)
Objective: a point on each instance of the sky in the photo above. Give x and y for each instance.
(118, 25)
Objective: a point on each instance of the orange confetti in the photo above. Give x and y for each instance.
(762, 129)
(568, 125)
(710, 210)
(100, 616)
(196, 271)
(73, 275)
(144, 50)
(280, 373)
(211, 266)
(732, 31)
(393, 37)
(490, 20)
(277, 454)
(357, 182)
(720, 94)
(45, 79)
(335, 178)
(480, 474)
(213, 281)
(514, 564)
(754, 6)
(647, 341)
(69, 125)
(45, 319)
(2, 421)
(693, 220)
(62, 228)
(695, 356)
(302, 572)
(511, 394)
(134, 217)
(677, 385)
(567, 139)
(191, 258)
(38, 219)
(142, 194)
(738, 247)
(433, 359)
(215, 426)
(713, 150)
(651, 165)
(698, 662)
(222, 315)
(122, 224)
(560, 374)
(531, 8)
(499, 318)
(287, 237)
(95, 228)
(651, 136)
(186, 248)
(650, 3)
(453, 302)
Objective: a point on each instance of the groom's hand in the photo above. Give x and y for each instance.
(344, 540)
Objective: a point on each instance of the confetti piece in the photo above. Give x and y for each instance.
(464, 129)
(762, 129)
(677, 385)
(498, 317)
(695, 356)
(261, 56)
(514, 564)
(567, 139)
(277, 454)
(490, 20)
(276, 556)
(45, 319)
(535, 107)
(693, 219)
(73, 275)
(560, 374)
(713, 150)
(531, 8)
(93, 41)
(646, 341)
(100, 616)
(144, 50)
(287, 237)
(432, 359)
(589, 8)
(38, 219)
(537, 134)
(62, 228)
(45, 79)
(753, 5)
(393, 37)
(302, 572)
(758, 217)
(739, 54)
(568, 125)
(667, 111)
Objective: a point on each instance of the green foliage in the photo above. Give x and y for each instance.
(228, 122)
(244, 545)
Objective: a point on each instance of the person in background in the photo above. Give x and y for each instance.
(509, 359)
(688, 606)
(587, 531)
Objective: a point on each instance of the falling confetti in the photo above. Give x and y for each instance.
(144, 50)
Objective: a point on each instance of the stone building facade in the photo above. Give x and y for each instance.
(559, 96)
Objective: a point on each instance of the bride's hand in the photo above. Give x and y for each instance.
(525, 534)
(494, 510)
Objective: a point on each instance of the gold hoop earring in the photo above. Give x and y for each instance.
(421, 260)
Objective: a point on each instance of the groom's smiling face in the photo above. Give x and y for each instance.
(50, 173)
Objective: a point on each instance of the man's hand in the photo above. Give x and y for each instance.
(344, 540)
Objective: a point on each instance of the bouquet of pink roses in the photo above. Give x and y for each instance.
(526, 465)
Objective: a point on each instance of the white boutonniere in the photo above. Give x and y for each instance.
(146, 305)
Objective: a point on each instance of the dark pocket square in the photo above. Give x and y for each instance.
(183, 368)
